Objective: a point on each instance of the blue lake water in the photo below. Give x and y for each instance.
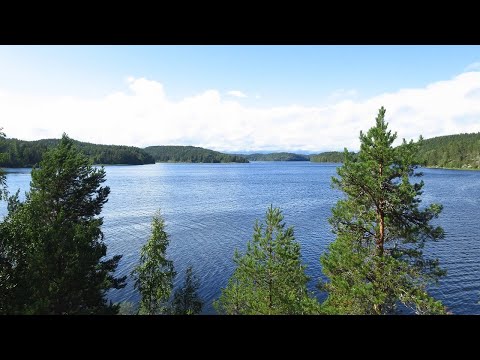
(210, 210)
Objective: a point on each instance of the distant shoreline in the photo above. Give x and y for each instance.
(6, 169)
(449, 168)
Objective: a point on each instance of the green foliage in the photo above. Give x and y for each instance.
(3, 181)
(376, 261)
(281, 156)
(460, 151)
(269, 277)
(186, 300)
(155, 273)
(52, 244)
(191, 154)
(21, 153)
(127, 308)
(328, 157)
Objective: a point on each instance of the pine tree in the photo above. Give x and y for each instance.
(269, 277)
(376, 261)
(155, 273)
(186, 300)
(53, 243)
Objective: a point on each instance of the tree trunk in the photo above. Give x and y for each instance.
(381, 235)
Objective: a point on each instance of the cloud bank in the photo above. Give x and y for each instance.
(142, 115)
(236, 93)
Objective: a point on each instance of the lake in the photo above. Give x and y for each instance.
(210, 210)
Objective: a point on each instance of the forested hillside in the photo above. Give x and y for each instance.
(281, 156)
(330, 156)
(21, 153)
(191, 154)
(460, 151)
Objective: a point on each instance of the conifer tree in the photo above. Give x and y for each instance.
(186, 300)
(376, 261)
(269, 278)
(155, 273)
(52, 244)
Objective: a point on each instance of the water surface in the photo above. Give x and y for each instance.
(210, 210)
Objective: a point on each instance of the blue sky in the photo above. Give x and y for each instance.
(297, 85)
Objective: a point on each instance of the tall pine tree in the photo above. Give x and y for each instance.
(376, 261)
(269, 278)
(53, 244)
(155, 273)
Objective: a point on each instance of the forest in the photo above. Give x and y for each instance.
(328, 157)
(21, 153)
(191, 154)
(281, 156)
(461, 151)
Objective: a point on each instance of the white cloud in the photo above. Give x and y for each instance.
(473, 66)
(342, 94)
(142, 115)
(236, 93)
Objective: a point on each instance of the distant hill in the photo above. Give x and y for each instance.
(191, 154)
(21, 153)
(281, 156)
(460, 151)
(328, 157)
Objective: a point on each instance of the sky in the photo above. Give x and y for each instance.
(237, 98)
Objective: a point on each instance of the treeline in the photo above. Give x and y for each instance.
(52, 253)
(460, 151)
(328, 157)
(21, 153)
(281, 156)
(191, 154)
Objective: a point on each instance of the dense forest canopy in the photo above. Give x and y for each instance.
(191, 154)
(460, 151)
(21, 153)
(328, 157)
(281, 156)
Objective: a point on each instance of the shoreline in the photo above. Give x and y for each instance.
(448, 168)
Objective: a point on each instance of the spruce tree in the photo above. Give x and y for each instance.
(53, 243)
(155, 273)
(376, 261)
(186, 300)
(269, 278)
